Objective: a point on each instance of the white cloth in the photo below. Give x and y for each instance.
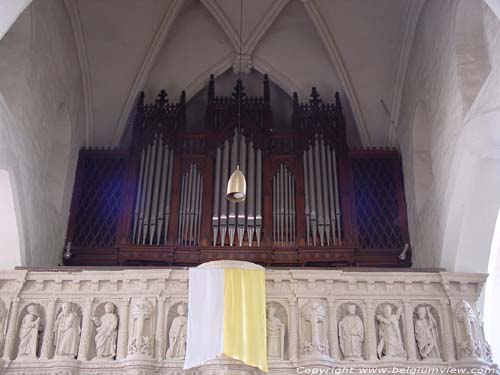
(205, 316)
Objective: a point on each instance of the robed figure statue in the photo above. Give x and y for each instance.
(106, 328)
(426, 334)
(178, 334)
(28, 333)
(352, 335)
(275, 331)
(390, 340)
(67, 331)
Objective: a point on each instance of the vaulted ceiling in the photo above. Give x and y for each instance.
(357, 47)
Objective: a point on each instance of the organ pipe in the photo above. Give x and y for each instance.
(190, 209)
(321, 208)
(242, 221)
(154, 189)
(283, 207)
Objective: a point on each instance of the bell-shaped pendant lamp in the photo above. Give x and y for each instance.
(237, 186)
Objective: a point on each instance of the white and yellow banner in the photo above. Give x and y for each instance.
(226, 315)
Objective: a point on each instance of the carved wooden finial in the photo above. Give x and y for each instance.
(315, 99)
(338, 104)
(239, 91)
(140, 100)
(267, 93)
(211, 87)
(162, 98)
(295, 100)
(182, 100)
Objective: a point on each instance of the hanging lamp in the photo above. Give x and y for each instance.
(237, 184)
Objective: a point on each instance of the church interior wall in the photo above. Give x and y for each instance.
(40, 84)
(438, 229)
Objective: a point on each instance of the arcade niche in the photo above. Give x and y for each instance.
(311, 200)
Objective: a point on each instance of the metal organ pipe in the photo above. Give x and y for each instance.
(215, 216)
(223, 200)
(241, 205)
(306, 193)
(154, 187)
(232, 205)
(258, 198)
(244, 219)
(321, 194)
(251, 194)
(284, 207)
(190, 210)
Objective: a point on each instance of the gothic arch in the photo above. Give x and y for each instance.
(423, 175)
(473, 63)
(60, 148)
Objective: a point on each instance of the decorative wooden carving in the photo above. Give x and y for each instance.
(312, 201)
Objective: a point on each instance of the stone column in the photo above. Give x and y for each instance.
(293, 341)
(85, 335)
(160, 334)
(48, 336)
(332, 332)
(11, 331)
(371, 342)
(121, 350)
(447, 340)
(409, 331)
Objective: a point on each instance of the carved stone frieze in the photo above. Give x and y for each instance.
(135, 322)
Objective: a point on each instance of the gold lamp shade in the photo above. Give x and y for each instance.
(237, 186)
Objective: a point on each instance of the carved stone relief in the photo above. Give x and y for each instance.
(467, 331)
(314, 330)
(389, 330)
(177, 330)
(351, 331)
(3, 325)
(141, 339)
(30, 333)
(67, 330)
(105, 331)
(276, 324)
(427, 332)
(143, 320)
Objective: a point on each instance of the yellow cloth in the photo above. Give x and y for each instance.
(245, 317)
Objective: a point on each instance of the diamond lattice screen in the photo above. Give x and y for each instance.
(377, 204)
(99, 204)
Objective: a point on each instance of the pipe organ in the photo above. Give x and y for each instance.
(190, 209)
(154, 189)
(322, 211)
(284, 230)
(311, 200)
(237, 222)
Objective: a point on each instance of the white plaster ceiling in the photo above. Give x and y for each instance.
(352, 46)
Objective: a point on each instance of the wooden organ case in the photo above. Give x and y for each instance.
(311, 201)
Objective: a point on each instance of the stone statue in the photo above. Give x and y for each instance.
(314, 338)
(177, 334)
(488, 355)
(426, 334)
(275, 335)
(352, 335)
(28, 333)
(67, 331)
(140, 342)
(106, 327)
(390, 340)
(466, 331)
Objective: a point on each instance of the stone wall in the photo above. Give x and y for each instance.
(115, 322)
(41, 125)
(442, 63)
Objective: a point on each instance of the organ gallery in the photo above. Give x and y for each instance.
(311, 199)
(214, 187)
